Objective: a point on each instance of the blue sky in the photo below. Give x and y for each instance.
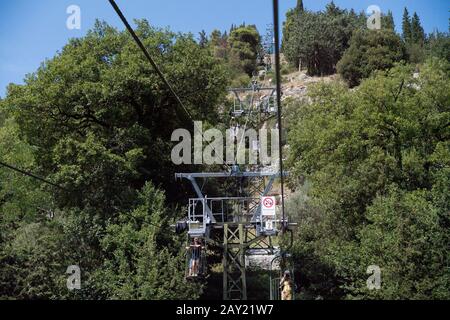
(31, 31)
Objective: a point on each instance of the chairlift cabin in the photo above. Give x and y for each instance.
(278, 268)
(268, 103)
(272, 104)
(196, 265)
(238, 106)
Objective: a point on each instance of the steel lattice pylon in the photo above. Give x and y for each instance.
(234, 277)
(237, 239)
(235, 223)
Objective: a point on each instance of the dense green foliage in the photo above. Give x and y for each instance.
(100, 94)
(370, 50)
(417, 32)
(245, 43)
(376, 163)
(28, 238)
(290, 26)
(317, 40)
(387, 21)
(370, 165)
(338, 40)
(139, 263)
(97, 120)
(414, 37)
(240, 50)
(412, 29)
(406, 25)
(438, 45)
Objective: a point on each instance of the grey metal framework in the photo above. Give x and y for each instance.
(239, 218)
(235, 224)
(234, 278)
(200, 212)
(238, 239)
(261, 100)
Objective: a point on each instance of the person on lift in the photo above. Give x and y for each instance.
(286, 286)
(196, 251)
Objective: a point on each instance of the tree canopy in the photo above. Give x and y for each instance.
(97, 120)
(245, 46)
(371, 169)
(369, 159)
(370, 50)
(317, 40)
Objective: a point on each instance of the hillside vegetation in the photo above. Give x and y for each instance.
(367, 118)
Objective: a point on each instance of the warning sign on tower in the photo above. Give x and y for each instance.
(268, 206)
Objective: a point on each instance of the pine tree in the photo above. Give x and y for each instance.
(300, 8)
(388, 21)
(332, 9)
(417, 32)
(406, 26)
(203, 41)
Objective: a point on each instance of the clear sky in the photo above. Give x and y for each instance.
(33, 30)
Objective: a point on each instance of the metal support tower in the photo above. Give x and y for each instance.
(234, 277)
(237, 240)
(255, 100)
(235, 224)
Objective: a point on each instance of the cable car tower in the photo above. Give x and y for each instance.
(237, 223)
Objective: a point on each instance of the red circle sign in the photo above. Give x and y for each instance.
(268, 202)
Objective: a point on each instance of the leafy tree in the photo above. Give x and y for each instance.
(33, 259)
(416, 53)
(245, 45)
(370, 50)
(288, 31)
(372, 168)
(100, 101)
(318, 40)
(219, 44)
(438, 45)
(411, 250)
(139, 263)
(99, 121)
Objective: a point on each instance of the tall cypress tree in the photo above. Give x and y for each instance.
(417, 32)
(388, 21)
(332, 10)
(406, 26)
(300, 8)
(203, 41)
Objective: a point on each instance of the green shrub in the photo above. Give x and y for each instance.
(370, 50)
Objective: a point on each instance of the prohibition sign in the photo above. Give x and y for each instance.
(268, 203)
